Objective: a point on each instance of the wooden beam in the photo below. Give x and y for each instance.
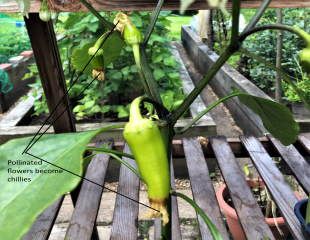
(45, 49)
(11, 132)
(101, 5)
(18, 112)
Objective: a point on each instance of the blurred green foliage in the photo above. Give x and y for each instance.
(111, 97)
(264, 45)
(13, 40)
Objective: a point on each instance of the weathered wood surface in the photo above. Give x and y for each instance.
(281, 192)
(304, 139)
(202, 188)
(74, 6)
(7, 133)
(83, 220)
(299, 166)
(248, 211)
(45, 49)
(157, 229)
(17, 113)
(42, 228)
(126, 211)
(225, 81)
(175, 221)
(197, 106)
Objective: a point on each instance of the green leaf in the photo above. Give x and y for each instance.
(158, 73)
(22, 202)
(122, 112)
(214, 231)
(80, 57)
(276, 118)
(112, 48)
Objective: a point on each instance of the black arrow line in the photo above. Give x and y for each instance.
(86, 179)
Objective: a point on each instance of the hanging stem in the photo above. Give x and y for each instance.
(137, 57)
(149, 78)
(235, 21)
(201, 85)
(259, 13)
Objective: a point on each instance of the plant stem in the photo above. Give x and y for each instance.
(149, 78)
(212, 228)
(259, 13)
(209, 108)
(285, 76)
(201, 85)
(104, 22)
(111, 127)
(137, 56)
(277, 26)
(154, 18)
(131, 168)
(235, 21)
(108, 150)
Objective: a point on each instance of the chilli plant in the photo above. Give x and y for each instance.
(149, 132)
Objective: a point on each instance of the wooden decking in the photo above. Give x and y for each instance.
(125, 218)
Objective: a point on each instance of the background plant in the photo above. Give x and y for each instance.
(111, 97)
(13, 37)
(257, 72)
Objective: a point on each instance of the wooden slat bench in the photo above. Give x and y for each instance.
(125, 219)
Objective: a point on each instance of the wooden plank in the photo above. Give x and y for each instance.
(248, 211)
(17, 113)
(281, 192)
(157, 229)
(299, 166)
(45, 49)
(126, 211)
(74, 6)
(7, 133)
(41, 229)
(83, 220)
(197, 106)
(175, 221)
(202, 188)
(304, 139)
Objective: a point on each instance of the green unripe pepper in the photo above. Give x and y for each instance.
(130, 33)
(304, 55)
(92, 50)
(150, 151)
(97, 62)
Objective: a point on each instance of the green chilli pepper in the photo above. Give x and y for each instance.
(97, 62)
(304, 55)
(150, 151)
(130, 33)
